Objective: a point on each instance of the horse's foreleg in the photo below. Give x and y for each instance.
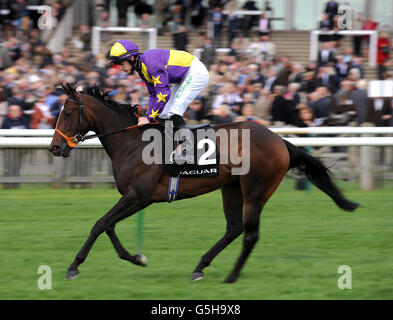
(124, 208)
(233, 209)
(138, 259)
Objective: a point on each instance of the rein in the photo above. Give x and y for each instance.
(72, 142)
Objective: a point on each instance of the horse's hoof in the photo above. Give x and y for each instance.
(197, 276)
(72, 274)
(141, 260)
(231, 279)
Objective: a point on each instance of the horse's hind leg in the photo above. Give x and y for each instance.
(138, 259)
(252, 212)
(253, 205)
(233, 209)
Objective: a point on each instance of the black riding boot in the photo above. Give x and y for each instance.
(184, 151)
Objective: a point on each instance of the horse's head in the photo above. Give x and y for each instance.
(72, 124)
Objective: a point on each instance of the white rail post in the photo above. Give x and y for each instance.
(367, 165)
(96, 40)
(152, 38)
(352, 156)
(58, 172)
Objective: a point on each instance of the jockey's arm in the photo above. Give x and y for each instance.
(159, 90)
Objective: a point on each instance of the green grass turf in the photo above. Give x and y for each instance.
(304, 239)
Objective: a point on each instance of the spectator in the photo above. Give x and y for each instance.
(379, 111)
(12, 158)
(85, 37)
(217, 18)
(354, 74)
(223, 114)
(122, 10)
(15, 119)
(357, 63)
(357, 24)
(3, 105)
(180, 38)
(383, 53)
(208, 53)
(268, 10)
(326, 54)
(175, 18)
(248, 114)
(5, 19)
(271, 80)
(233, 25)
(142, 8)
(331, 10)
(292, 99)
(134, 97)
(264, 25)
(309, 83)
(41, 117)
(323, 105)
(145, 23)
(368, 24)
(161, 8)
(249, 20)
(5, 57)
(359, 98)
(197, 14)
(255, 76)
(104, 23)
(18, 98)
(344, 102)
(21, 20)
(279, 110)
(283, 74)
(296, 73)
(326, 77)
(196, 111)
(229, 96)
(267, 48)
(263, 104)
(306, 117)
(342, 68)
(325, 24)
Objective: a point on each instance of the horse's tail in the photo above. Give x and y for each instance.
(318, 174)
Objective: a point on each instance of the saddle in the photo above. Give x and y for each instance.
(204, 161)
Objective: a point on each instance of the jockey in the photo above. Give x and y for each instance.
(159, 69)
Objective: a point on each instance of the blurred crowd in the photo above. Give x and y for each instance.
(249, 82)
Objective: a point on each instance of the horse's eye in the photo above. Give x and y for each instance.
(67, 113)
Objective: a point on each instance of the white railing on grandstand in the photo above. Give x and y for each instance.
(373, 40)
(96, 38)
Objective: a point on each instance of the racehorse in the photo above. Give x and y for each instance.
(140, 184)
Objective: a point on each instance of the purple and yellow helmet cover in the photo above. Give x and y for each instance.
(122, 49)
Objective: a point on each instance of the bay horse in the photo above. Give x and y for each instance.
(140, 185)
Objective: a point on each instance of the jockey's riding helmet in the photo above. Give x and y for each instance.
(122, 50)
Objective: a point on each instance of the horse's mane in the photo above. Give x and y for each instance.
(94, 91)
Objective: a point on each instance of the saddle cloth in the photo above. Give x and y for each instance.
(206, 157)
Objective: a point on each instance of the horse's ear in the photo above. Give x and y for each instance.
(64, 88)
(71, 91)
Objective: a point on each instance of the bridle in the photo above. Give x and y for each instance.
(72, 142)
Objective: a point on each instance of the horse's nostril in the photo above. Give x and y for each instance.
(54, 148)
